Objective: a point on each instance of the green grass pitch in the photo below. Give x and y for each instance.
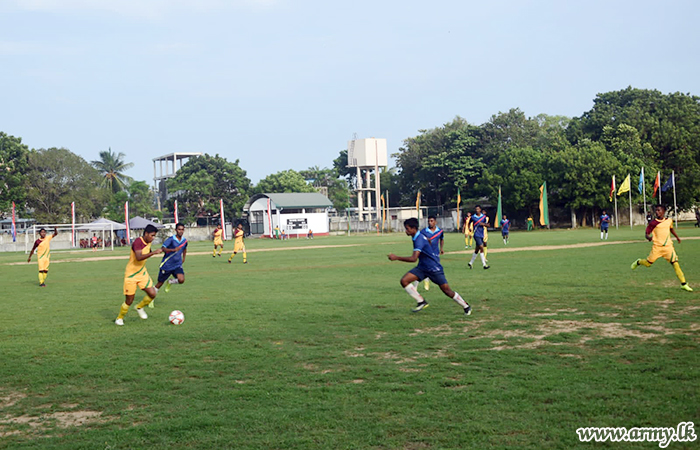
(317, 348)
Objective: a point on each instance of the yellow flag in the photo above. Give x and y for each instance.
(624, 187)
(418, 201)
(459, 198)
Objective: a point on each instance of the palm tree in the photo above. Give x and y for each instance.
(111, 166)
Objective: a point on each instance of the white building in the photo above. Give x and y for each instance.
(294, 213)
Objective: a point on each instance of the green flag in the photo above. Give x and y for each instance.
(544, 208)
(499, 210)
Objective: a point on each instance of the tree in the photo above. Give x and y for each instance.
(56, 177)
(13, 169)
(284, 181)
(203, 180)
(141, 202)
(111, 166)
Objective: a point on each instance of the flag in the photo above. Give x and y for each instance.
(499, 211)
(14, 226)
(383, 211)
(640, 185)
(223, 223)
(72, 216)
(177, 219)
(612, 188)
(668, 184)
(418, 202)
(544, 207)
(459, 198)
(126, 222)
(269, 217)
(625, 186)
(657, 183)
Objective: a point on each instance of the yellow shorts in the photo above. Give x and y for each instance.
(666, 252)
(44, 264)
(239, 247)
(218, 242)
(140, 281)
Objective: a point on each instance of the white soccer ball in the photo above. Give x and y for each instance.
(176, 317)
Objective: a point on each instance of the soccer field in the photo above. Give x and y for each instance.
(312, 344)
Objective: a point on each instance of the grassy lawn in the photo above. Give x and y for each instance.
(316, 347)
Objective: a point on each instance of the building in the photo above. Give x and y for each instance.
(171, 162)
(295, 213)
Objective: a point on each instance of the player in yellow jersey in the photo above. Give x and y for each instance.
(218, 240)
(659, 232)
(43, 252)
(468, 230)
(136, 276)
(238, 245)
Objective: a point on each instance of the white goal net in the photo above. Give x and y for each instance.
(80, 236)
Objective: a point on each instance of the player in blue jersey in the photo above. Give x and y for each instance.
(604, 224)
(428, 267)
(505, 229)
(175, 252)
(480, 221)
(436, 238)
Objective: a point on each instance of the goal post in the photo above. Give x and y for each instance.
(75, 237)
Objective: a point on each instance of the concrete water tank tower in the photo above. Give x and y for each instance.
(367, 155)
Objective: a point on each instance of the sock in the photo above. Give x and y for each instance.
(245, 257)
(486, 251)
(231, 257)
(460, 301)
(679, 272)
(413, 292)
(606, 235)
(504, 241)
(466, 241)
(214, 252)
(644, 262)
(173, 281)
(41, 278)
(426, 284)
(473, 258)
(123, 310)
(483, 259)
(601, 235)
(146, 300)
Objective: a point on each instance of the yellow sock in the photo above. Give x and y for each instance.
(644, 262)
(41, 278)
(214, 252)
(245, 257)
(146, 300)
(123, 310)
(679, 272)
(466, 241)
(486, 252)
(231, 257)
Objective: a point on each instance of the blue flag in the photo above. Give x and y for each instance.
(640, 186)
(668, 184)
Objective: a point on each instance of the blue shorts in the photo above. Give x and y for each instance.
(437, 277)
(165, 274)
(603, 228)
(504, 233)
(479, 241)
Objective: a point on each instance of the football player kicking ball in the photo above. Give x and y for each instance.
(428, 267)
(175, 249)
(659, 233)
(136, 276)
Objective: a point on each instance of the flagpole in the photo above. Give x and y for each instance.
(617, 223)
(658, 175)
(644, 192)
(673, 182)
(630, 192)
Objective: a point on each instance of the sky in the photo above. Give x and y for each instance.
(283, 84)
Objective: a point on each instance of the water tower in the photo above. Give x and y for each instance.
(367, 155)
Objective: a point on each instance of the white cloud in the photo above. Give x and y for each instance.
(144, 9)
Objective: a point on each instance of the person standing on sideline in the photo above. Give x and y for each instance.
(428, 267)
(218, 240)
(468, 231)
(530, 223)
(480, 221)
(238, 245)
(277, 231)
(175, 249)
(604, 224)
(505, 229)
(136, 276)
(43, 254)
(659, 232)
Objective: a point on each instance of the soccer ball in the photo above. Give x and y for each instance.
(176, 317)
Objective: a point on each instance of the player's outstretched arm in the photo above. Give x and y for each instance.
(140, 256)
(673, 232)
(36, 244)
(409, 259)
(55, 232)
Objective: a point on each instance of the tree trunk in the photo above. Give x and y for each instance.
(573, 218)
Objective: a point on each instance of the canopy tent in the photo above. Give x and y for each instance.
(139, 223)
(102, 224)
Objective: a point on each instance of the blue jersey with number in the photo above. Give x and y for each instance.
(172, 261)
(505, 226)
(479, 224)
(604, 221)
(434, 237)
(429, 258)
